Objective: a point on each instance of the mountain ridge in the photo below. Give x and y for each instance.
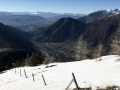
(63, 29)
(13, 38)
(98, 15)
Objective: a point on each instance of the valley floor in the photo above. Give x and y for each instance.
(89, 73)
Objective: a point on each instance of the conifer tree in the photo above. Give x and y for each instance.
(18, 63)
(22, 62)
(9, 65)
(35, 59)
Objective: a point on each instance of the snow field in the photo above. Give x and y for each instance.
(88, 73)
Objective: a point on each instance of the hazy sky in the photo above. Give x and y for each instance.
(59, 6)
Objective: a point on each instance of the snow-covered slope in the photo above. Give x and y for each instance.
(89, 73)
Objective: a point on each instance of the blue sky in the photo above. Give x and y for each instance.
(59, 6)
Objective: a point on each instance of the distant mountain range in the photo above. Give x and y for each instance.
(22, 22)
(15, 20)
(29, 21)
(38, 13)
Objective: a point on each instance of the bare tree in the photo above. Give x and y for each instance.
(48, 58)
(81, 49)
(98, 51)
(115, 44)
(115, 47)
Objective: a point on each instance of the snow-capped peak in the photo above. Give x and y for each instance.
(111, 11)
